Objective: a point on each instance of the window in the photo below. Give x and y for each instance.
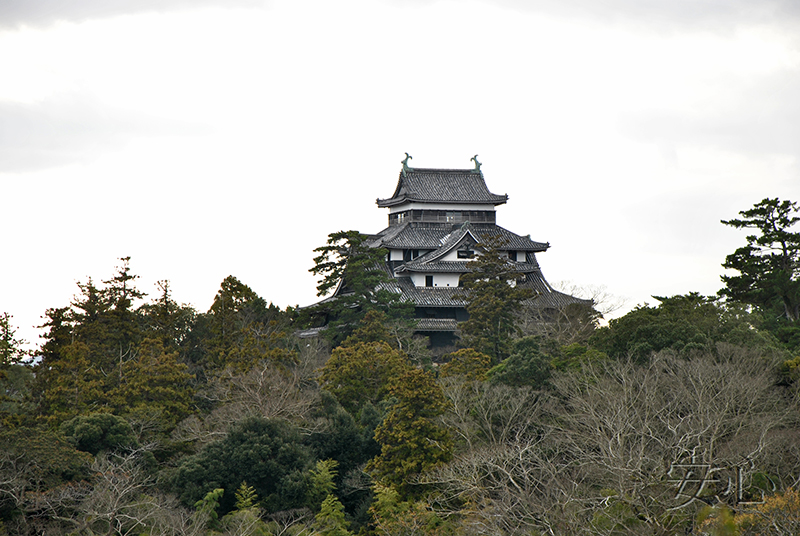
(512, 255)
(428, 280)
(465, 250)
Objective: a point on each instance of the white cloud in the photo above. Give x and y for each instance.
(17, 13)
(69, 128)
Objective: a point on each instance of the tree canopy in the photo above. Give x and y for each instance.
(768, 265)
(356, 271)
(492, 300)
(150, 417)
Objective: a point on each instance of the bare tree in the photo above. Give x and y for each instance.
(615, 448)
(572, 323)
(265, 390)
(672, 435)
(481, 412)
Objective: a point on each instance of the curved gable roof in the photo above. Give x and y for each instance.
(462, 186)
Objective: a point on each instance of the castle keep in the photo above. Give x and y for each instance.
(436, 219)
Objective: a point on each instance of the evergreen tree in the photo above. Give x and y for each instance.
(11, 351)
(493, 299)
(152, 384)
(349, 266)
(242, 329)
(411, 439)
(769, 265)
(246, 497)
(361, 374)
(267, 454)
(330, 520)
(683, 323)
(321, 483)
(97, 432)
(97, 357)
(528, 365)
(15, 375)
(168, 320)
(466, 363)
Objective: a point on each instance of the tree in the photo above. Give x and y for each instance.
(166, 319)
(268, 454)
(527, 365)
(492, 300)
(11, 351)
(392, 516)
(152, 382)
(616, 448)
(243, 329)
(467, 364)
(683, 323)
(361, 374)
(568, 324)
(490, 413)
(779, 514)
(99, 432)
(411, 439)
(34, 461)
(357, 274)
(86, 345)
(330, 521)
(769, 265)
(654, 442)
(15, 376)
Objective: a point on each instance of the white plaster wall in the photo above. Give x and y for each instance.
(439, 280)
(445, 280)
(396, 255)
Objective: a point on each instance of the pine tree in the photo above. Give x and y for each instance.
(769, 265)
(492, 300)
(357, 272)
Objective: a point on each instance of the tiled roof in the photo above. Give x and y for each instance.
(454, 297)
(546, 296)
(418, 235)
(436, 324)
(442, 186)
(430, 296)
(413, 236)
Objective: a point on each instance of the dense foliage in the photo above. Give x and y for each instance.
(141, 417)
(768, 266)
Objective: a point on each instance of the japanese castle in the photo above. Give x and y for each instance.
(436, 219)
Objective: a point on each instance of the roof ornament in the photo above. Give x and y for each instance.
(405, 164)
(477, 164)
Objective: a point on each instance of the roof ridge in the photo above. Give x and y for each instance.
(460, 170)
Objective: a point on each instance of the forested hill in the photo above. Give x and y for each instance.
(142, 416)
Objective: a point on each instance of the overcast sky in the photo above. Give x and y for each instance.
(217, 137)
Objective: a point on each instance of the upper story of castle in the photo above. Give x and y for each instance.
(441, 196)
